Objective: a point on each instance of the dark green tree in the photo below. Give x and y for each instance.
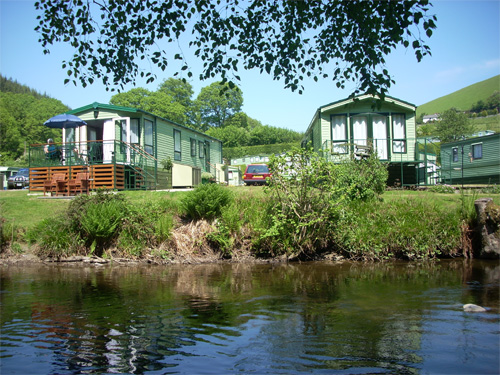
(231, 136)
(216, 103)
(345, 40)
(493, 101)
(180, 90)
(21, 123)
(161, 103)
(453, 126)
(242, 120)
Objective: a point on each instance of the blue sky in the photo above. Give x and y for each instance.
(465, 50)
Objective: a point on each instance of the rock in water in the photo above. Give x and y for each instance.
(470, 307)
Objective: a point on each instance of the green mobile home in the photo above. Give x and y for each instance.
(471, 161)
(356, 126)
(128, 148)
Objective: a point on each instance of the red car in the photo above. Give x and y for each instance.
(256, 174)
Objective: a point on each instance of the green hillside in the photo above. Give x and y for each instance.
(462, 99)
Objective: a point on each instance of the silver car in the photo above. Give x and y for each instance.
(20, 180)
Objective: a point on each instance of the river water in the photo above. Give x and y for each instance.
(310, 318)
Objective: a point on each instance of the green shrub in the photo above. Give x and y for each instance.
(307, 195)
(442, 189)
(145, 226)
(303, 201)
(491, 189)
(206, 201)
(364, 179)
(54, 238)
(101, 223)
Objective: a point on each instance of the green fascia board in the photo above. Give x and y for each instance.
(112, 107)
(368, 96)
(348, 100)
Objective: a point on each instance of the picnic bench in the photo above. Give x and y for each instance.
(51, 185)
(79, 184)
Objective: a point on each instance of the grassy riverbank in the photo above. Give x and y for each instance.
(311, 209)
(404, 224)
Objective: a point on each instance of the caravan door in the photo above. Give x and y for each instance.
(108, 140)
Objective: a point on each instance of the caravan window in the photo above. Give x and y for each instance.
(477, 151)
(455, 154)
(201, 149)
(134, 131)
(339, 134)
(193, 146)
(398, 134)
(177, 145)
(148, 137)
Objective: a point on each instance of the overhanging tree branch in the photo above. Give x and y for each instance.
(289, 40)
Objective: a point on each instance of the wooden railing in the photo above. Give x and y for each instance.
(110, 164)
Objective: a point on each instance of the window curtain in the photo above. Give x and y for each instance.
(339, 134)
(177, 145)
(359, 130)
(134, 131)
(380, 136)
(398, 133)
(148, 136)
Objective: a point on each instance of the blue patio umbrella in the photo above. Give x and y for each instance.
(65, 121)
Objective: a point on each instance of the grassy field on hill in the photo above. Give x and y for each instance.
(487, 123)
(462, 99)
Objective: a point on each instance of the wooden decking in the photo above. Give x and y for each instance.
(102, 176)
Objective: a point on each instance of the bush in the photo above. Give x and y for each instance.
(442, 189)
(54, 238)
(145, 226)
(307, 195)
(206, 202)
(101, 223)
(303, 200)
(364, 179)
(491, 189)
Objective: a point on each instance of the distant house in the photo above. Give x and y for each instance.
(353, 127)
(250, 160)
(482, 133)
(471, 161)
(128, 148)
(431, 118)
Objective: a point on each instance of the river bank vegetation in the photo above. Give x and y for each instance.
(310, 210)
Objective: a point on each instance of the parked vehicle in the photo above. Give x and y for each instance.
(256, 174)
(20, 180)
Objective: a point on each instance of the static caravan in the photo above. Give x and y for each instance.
(353, 127)
(127, 148)
(471, 161)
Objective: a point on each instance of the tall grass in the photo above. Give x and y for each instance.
(408, 228)
(406, 224)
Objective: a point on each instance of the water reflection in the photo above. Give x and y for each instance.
(226, 318)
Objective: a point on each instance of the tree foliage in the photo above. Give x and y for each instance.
(453, 126)
(160, 103)
(491, 103)
(216, 103)
(22, 114)
(289, 40)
